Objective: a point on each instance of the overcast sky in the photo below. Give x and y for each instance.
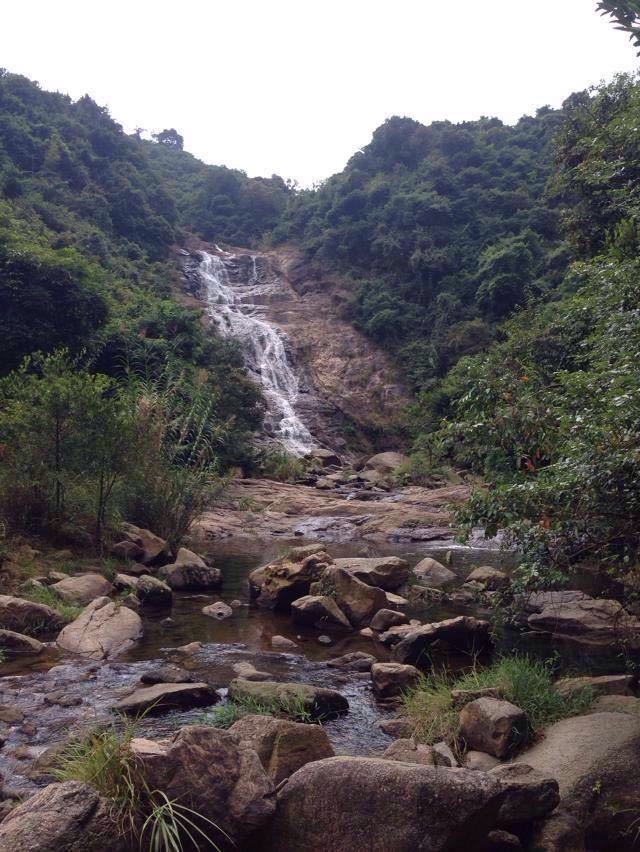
(296, 86)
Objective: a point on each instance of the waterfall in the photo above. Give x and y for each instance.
(262, 346)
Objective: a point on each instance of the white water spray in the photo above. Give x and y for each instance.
(263, 349)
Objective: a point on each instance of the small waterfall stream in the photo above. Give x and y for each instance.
(236, 315)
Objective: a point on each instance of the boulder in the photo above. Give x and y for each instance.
(282, 746)
(396, 601)
(356, 661)
(190, 572)
(480, 761)
(433, 573)
(317, 701)
(494, 726)
(153, 593)
(163, 697)
(593, 758)
(18, 614)
(387, 572)
(148, 590)
(278, 584)
(218, 610)
(528, 789)
(17, 644)
(537, 601)
(618, 684)
(217, 775)
(282, 643)
(386, 806)
(446, 754)
(386, 462)
(318, 611)
(387, 618)
(67, 817)
(326, 458)
(11, 714)
(128, 550)
(155, 550)
(167, 674)
(409, 751)
(488, 578)
(83, 588)
(463, 633)
(323, 483)
(398, 727)
(103, 630)
(299, 554)
(247, 671)
(357, 600)
(591, 620)
(390, 680)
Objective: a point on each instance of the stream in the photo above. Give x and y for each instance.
(89, 688)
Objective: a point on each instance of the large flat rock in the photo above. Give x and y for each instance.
(163, 697)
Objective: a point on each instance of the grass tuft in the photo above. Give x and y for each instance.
(46, 595)
(103, 759)
(224, 715)
(524, 682)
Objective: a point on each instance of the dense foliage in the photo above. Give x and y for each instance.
(551, 414)
(133, 408)
(443, 230)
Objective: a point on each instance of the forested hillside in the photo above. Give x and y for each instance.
(551, 414)
(443, 229)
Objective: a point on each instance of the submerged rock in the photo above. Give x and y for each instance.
(283, 746)
(190, 572)
(355, 661)
(103, 630)
(167, 674)
(219, 610)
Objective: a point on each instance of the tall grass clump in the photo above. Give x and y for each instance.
(224, 715)
(146, 817)
(524, 682)
(276, 463)
(45, 595)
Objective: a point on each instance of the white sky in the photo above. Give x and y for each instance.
(297, 86)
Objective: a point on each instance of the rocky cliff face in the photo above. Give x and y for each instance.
(350, 395)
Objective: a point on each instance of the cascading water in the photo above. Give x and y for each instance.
(263, 348)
